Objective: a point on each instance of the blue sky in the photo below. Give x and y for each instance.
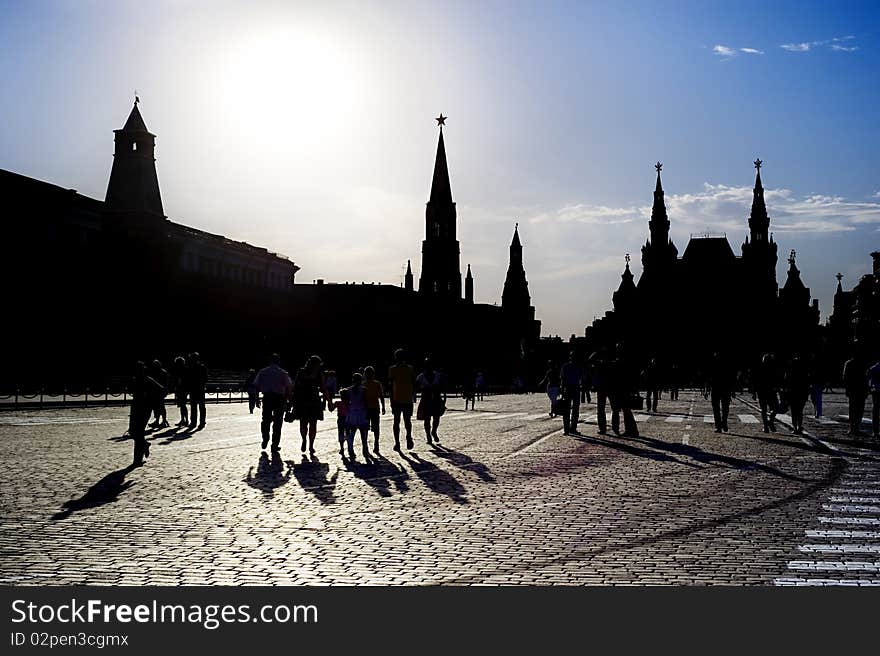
(307, 127)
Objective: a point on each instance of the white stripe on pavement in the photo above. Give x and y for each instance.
(840, 548)
(810, 582)
(834, 566)
(873, 535)
(748, 419)
(850, 520)
(674, 419)
(850, 508)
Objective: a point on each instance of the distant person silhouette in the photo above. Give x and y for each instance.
(797, 388)
(402, 382)
(599, 380)
(551, 383)
(341, 407)
(331, 386)
(158, 373)
(856, 388)
(197, 374)
(673, 382)
(765, 383)
(309, 396)
(374, 396)
(144, 390)
(624, 384)
(251, 388)
(571, 375)
(651, 376)
(179, 380)
(586, 380)
(817, 385)
(469, 390)
(721, 382)
(432, 400)
(480, 383)
(874, 387)
(276, 387)
(357, 419)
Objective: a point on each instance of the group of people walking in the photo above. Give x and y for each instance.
(151, 385)
(312, 391)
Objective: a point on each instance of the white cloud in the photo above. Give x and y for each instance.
(751, 51)
(798, 47)
(590, 214)
(724, 51)
(806, 46)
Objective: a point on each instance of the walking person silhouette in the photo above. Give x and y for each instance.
(797, 388)
(374, 396)
(402, 382)
(198, 378)
(765, 383)
(721, 381)
(571, 375)
(276, 387)
(309, 396)
(144, 391)
(432, 403)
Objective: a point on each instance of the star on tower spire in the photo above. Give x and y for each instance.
(441, 120)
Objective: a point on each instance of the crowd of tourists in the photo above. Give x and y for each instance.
(614, 378)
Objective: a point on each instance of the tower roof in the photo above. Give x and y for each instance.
(759, 208)
(441, 192)
(515, 241)
(135, 122)
(469, 272)
(793, 281)
(408, 268)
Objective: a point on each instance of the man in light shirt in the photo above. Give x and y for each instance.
(276, 387)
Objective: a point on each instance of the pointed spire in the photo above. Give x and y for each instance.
(839, 277)
(758, 220)
(135, 122)
(469, 276)
(441, 192)
(408, 267)
(516, 241)
(408, 277)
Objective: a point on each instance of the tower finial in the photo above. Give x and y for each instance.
(758, 163)
(627, 258)
(136, 99)
(839, 277)
(791, 257)
(659, 167)
(441, 120)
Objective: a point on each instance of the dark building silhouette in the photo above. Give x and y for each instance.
(854, 324)
(683, 309)
(98, 284)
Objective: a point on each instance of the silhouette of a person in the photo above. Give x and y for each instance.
(600, 380)
(721, 381)
(432, 402)
(374, 396)
(651, 375)
(551, 382)
(766, 385)
(179, 378)
(252, 391)
(198, 379)
(144, 389)
(571, 375)
(276, 387)
(856, 387)
(402, 382)
(309, 396)
(797, 388)
(158, 373)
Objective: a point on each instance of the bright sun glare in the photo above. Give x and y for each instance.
(286, 79)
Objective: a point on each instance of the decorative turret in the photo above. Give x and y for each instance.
(441, 269)
(516, 287)
(469, 287)
(408, 277)
(625, 295)
(759, 249)
(133, 188)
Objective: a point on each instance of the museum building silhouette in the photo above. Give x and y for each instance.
(684, 309)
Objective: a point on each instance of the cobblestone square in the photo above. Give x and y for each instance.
(507, 499)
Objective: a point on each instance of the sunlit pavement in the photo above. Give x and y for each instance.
(508, 499)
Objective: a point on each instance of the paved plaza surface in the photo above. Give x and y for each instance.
(507, 499)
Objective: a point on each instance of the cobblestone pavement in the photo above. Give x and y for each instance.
(508, 499)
